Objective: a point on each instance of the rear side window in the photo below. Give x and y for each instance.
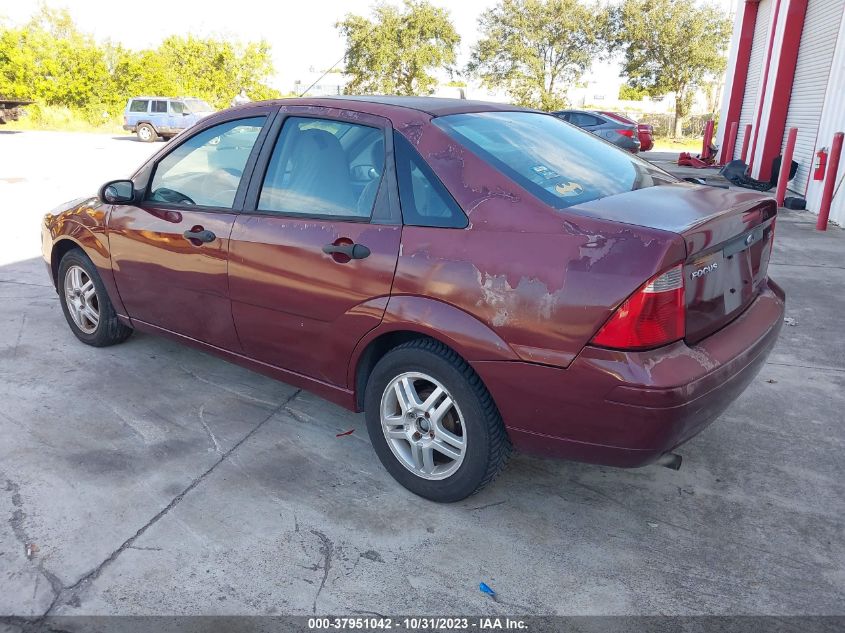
(325, 168)
(584, 120)
(556, 162)
(424, 199)
(139, 105)
(159, 106)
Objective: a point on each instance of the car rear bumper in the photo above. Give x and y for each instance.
(629, 408)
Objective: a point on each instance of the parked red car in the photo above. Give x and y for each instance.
(645, 132)
(473, 276)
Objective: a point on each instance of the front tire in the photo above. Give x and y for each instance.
(85, 303)
(432, 422)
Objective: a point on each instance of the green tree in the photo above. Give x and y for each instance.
(670, 47)
(631, 94)
(395, 51)
(536, 49)
(215, 70)
(50, 60)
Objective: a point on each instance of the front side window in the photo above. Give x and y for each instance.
(177, 107)
(206, 169)
(139, 105)
(559, 164)
(322, 167)
(159, 106)
(424, 199)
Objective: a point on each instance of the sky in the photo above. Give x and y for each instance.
(302, 34)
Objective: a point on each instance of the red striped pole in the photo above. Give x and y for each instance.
(707, 140)
(785, 165)
(829, 181)
(745, 140)
(730, 144)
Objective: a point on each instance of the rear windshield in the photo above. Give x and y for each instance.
(553, 160)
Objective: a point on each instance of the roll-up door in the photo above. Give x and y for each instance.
(815, 55)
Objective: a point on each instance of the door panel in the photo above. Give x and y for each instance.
(294, 305)
(170, 250)
(298, 303)
(168, 281)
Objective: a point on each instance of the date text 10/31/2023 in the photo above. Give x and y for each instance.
(417, 623)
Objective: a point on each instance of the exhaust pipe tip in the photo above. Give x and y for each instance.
(670, 460)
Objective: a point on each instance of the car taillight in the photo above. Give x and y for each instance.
(626, 132)
(653, 316)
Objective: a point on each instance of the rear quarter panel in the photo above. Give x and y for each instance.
(543, 280)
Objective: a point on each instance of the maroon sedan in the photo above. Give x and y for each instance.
(473, 276)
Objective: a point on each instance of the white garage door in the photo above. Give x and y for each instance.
(759, 47)
(815, 55)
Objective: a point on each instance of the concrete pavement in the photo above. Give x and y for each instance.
(148, 478)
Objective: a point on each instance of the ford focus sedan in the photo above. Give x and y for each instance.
(474, 277)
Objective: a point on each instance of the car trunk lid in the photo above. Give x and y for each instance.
(728, 238)
(727, 265)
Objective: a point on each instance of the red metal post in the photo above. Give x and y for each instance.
(830, 181)
(745, 140)
(707, 140)
(785, 164)
(729, 143)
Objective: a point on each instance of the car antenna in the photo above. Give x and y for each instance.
(318, 79)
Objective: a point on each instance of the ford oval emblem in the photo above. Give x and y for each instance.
(749, 239)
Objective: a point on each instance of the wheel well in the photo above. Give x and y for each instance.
(60, 249)
(373, 353)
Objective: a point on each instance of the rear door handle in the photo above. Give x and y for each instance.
(352, 251)
(201, 236)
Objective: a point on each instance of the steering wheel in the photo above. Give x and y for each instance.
(163, 194)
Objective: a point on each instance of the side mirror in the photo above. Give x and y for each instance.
(117, 192)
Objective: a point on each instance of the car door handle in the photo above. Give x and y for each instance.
(352, 251)
(203, 235)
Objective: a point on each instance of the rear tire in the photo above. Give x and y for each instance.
(146, 133)
(85, 303)
(432, 422)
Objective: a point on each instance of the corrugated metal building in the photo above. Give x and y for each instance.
(787, 69)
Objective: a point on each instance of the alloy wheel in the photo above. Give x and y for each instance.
(81, 299)
(423, 425)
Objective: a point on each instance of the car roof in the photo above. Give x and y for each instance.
(162, 98)
(382, 105)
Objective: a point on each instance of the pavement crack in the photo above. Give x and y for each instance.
(235, 392)
(24, 283)
(70, 593)
(20, 335)
(16, 522)
(797, 366)
(326, 549)
(488, 505)
(208, 430)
